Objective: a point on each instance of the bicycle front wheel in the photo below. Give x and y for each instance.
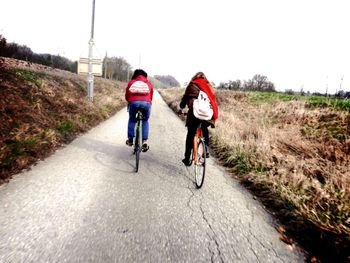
(199, 164)
(137, 156)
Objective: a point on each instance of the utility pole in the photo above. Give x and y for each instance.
(105, 66)
(341, 82)
(90, 78)
(127, 74)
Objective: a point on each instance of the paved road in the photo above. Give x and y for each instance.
(85, 204)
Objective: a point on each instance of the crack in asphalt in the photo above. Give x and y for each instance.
(251, 234)
(257, 239)
(251, 248)
(188, 204)
(213, 237)
(212, 253)
(262, 244)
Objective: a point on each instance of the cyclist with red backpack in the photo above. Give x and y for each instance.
(201, 101)
(139, 95)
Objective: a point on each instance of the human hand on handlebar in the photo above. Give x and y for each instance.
(181, 112)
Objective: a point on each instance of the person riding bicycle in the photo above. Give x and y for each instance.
(199, 82)
(139, 95)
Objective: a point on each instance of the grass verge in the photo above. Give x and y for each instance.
(42, 108)
(302, 177)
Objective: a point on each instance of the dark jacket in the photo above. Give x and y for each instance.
(191, 93)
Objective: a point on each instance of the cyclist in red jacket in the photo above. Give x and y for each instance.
(139, 95)
(199, 82)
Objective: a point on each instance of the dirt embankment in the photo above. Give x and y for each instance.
(295, 158)
(42, 108)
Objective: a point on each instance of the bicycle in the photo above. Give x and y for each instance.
(138, 139)
(199, 154)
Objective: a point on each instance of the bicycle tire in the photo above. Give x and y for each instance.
(137, 156)
(200, 164)
(137, 146)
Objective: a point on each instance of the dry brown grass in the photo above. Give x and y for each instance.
(312, 172)
(300, 155)
(42, 108)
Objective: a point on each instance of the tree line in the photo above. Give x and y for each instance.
(341, 94)
(115, 68)
(261, 83)
(22, 52)
(257, 83)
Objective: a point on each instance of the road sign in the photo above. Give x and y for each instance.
(83, 66)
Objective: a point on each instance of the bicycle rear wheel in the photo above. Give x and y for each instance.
(137, 149)
(199, 164)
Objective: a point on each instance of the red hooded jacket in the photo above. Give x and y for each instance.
(139, 89)
(203, 85)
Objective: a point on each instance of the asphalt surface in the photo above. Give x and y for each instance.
(86, 204)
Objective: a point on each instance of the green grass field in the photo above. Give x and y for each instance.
(311, 101)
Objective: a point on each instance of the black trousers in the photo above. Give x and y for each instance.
(191, 132)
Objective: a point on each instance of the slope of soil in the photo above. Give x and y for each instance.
(295, 158)
(42, 108)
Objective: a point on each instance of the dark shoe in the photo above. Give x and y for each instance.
(187, 162)
(129, 142)
(145, 147)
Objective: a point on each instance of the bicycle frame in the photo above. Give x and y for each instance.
(197, 137)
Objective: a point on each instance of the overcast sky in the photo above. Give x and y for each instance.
(295, 43)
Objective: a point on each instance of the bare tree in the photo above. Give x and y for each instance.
(259, 83)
